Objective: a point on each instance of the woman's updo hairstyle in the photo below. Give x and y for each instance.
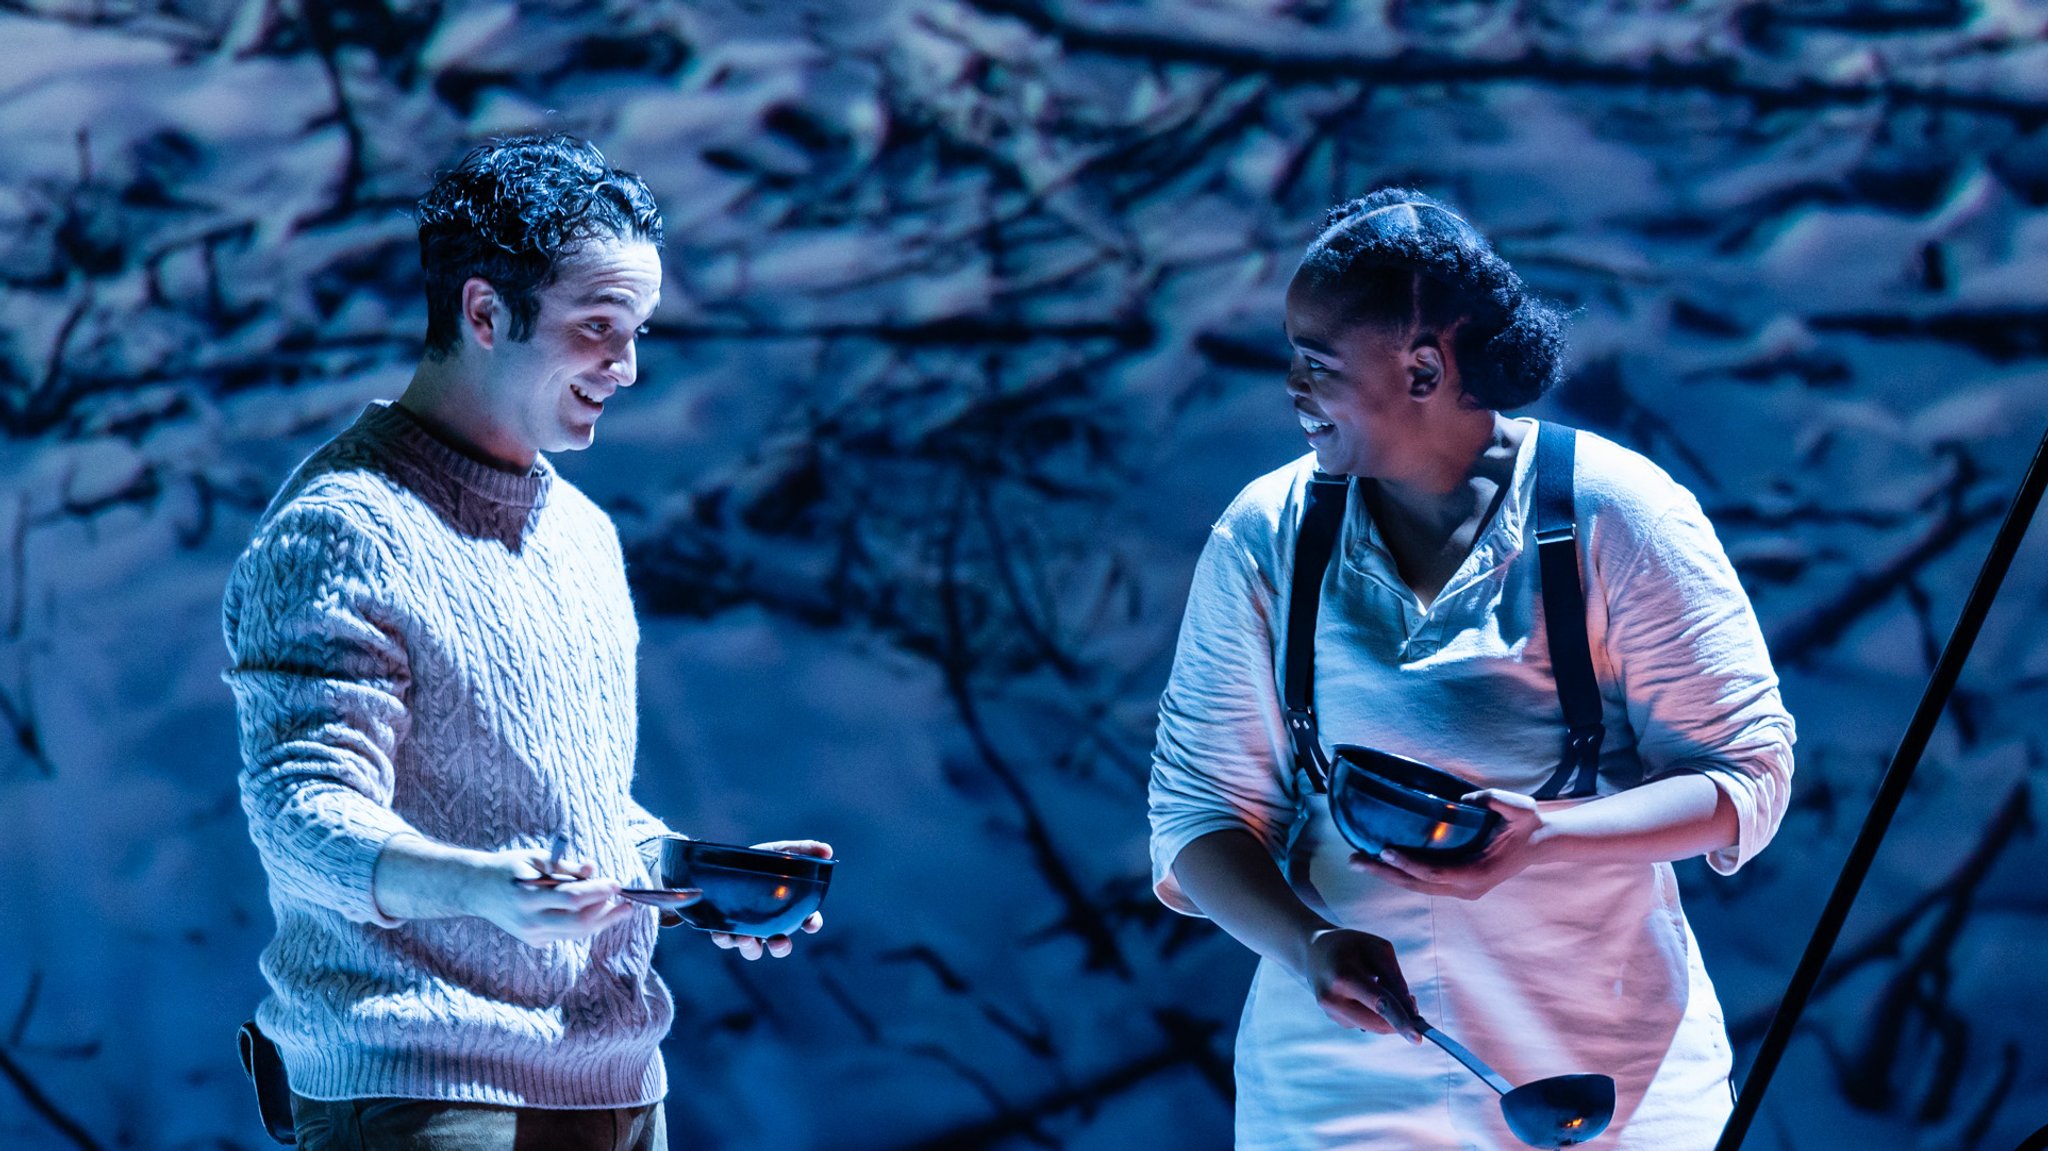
(1404, 261)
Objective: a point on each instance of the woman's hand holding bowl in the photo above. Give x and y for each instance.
(1511, 850)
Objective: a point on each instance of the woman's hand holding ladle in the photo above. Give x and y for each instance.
(1353, 974)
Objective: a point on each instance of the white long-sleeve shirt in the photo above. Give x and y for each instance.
(425, 644)
(1563, 968)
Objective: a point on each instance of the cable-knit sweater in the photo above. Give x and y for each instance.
(422, 642)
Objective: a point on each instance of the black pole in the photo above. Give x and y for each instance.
(1890, 793)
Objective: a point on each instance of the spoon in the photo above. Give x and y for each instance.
(668, 899)
(1560, 1111)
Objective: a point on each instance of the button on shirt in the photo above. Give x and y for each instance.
(1565, 967)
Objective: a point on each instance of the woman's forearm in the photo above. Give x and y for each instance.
(1673, 818)
(1230, 876)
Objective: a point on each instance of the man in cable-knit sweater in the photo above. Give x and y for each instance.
(433, 659)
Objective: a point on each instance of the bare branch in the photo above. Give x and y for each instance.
(1806, 635)
(1187, 1045)
(27, 738)
(2001, 335)
(1131, 332)
(1954, 895)
(43, 1105)
(1717, 76)
(956, 660)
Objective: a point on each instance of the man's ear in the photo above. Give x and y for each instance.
(480, 311)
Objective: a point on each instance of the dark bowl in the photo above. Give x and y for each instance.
(747, 891)
(1381, 800)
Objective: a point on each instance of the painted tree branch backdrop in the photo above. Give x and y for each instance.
(971, 325)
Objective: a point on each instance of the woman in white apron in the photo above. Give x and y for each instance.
(1562, 947)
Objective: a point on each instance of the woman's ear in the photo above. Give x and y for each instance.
(1431, 363)
(1425, 370)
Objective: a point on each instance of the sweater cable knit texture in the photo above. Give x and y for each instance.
(424, 643)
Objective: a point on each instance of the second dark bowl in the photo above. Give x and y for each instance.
(747, 891)
(1380, 800)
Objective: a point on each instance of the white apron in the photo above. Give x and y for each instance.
(1563, 968)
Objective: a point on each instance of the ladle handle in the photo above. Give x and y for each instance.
(1475, 1063)
(1397, 1013)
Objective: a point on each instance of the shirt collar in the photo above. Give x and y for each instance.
(1499, 542)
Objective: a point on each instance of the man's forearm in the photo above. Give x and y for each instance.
(417, 878)
(1229, 875)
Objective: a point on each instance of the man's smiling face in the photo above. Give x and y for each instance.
(548, 390)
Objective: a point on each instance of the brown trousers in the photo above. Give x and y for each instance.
(435, 1125)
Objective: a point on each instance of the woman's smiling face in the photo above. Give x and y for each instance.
(1358, 390)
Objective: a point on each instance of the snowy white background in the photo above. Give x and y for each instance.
(971, 326)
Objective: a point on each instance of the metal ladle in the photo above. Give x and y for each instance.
(1560, 1111)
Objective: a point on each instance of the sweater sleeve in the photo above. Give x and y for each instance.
(1215, 764)
(1702, 695)
(320, 678)
(645, 830)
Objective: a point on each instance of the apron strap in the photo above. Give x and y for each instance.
(1564, 616)
(1320, 520)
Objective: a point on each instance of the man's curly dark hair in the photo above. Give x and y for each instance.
(510, 212)
(1405, 261)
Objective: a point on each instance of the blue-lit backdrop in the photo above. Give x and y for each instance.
(971, 325)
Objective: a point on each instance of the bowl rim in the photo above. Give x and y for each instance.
(1419, 803)
(1408, 797)
(818, 867)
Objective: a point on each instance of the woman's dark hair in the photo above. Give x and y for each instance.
(510, 212)
(1404, 261)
